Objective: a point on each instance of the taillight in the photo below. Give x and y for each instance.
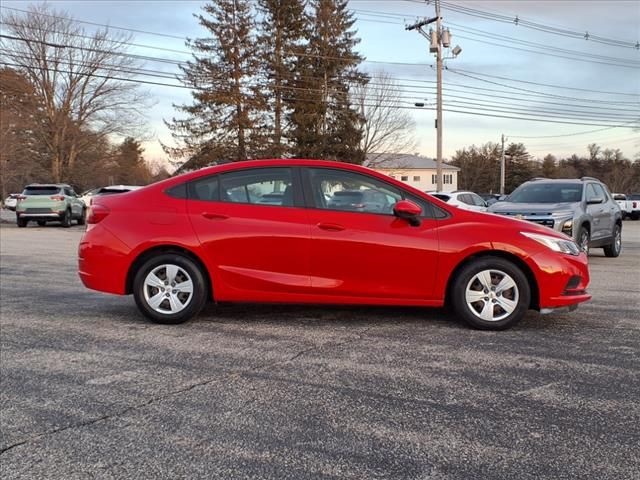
(635, 205)
(58, 198)
(97, 213)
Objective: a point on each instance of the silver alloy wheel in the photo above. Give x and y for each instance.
(618, 240)
(492, 295)
(168, 289)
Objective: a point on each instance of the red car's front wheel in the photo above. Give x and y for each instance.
(491, 293)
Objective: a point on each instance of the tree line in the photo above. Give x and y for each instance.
(480, 167)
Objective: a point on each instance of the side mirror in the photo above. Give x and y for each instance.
(408, 211)
(595, 201)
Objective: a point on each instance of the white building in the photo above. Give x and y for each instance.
(419, 172)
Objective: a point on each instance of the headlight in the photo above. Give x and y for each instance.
(556, 244)
(567, 227)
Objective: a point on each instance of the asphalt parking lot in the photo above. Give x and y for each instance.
(89, 389)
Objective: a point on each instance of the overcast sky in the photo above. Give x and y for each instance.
(384, 39)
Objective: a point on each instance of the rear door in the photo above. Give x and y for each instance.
(367, 253)
(254, 247)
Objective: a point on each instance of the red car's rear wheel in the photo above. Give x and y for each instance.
(170, 288)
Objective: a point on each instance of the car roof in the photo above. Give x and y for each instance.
(57, 185)
(563, 180)
(289, 162)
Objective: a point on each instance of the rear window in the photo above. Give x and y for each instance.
(439, 196)
(111, 191)
(45, 190)
(635, 196)
(619, 197)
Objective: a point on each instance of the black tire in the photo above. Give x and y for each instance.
(83, 217)
(41, 223)
(519, 294)
(22, 222)
(635, 216)
(194, 305)
(583, 238)
(66, 219)
(615, 247)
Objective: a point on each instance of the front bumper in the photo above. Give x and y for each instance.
(562, 279)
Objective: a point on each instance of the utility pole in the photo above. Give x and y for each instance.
(502, 167)
(438, 34)
(438, 39)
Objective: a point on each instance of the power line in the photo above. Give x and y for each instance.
(459, 72)
(568, 134)
(149, 58)
(521, 22)
(468, 111)
(549, 85)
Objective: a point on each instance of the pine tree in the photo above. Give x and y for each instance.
(283, 29)
(549, 166)
(324, 123)
(227, 113)
(519, 167)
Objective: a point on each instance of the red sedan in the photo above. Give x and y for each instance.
(307, 231)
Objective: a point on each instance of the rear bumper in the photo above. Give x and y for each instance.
(40, 215)
(103, 261)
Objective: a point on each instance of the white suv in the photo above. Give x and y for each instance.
(466, 200)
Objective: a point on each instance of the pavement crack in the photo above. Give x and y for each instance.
(108, 416)
(179, 391)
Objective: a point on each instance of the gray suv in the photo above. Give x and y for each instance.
(581, 208)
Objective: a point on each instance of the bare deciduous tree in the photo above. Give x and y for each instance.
(387, 129)
(81, 79)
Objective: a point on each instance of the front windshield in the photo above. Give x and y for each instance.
(547, 193)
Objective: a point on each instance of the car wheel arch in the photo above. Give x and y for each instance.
(143, 256)
(521, 264)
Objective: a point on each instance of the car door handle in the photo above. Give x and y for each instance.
(331, 227)
(214, 216)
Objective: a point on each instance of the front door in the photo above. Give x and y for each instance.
(360, 249)
(255, 232)
(601, 226)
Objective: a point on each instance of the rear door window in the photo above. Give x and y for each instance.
(258, 186)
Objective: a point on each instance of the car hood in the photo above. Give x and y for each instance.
(530, 208)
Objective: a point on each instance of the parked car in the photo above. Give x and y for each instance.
(634, 206)
(581, 208)
(180, 242)
(623, 203)
(361, 201)
(490, 198)
(11, 201)
(115, 189)
(466, 200)
(49, 202)
(273, 198)
(87, 195)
